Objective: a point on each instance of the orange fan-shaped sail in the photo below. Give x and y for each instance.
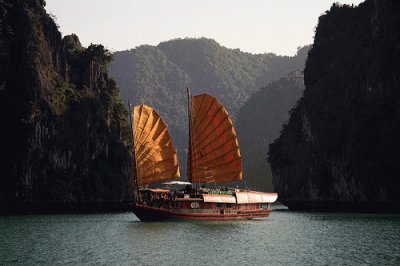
(155, 157)
(214, 154)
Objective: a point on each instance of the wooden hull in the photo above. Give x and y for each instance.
(149, 213)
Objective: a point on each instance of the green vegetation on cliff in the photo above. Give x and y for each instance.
(341, 146)
(65, 126)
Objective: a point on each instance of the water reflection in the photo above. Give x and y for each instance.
(284, 238)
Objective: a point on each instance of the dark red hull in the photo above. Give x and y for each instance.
(148, 213)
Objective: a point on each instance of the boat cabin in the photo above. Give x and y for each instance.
(206, 200)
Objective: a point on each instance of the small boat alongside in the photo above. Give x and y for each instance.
(213, 159)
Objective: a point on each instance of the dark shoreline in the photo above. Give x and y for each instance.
(355, 207)
(26, 208)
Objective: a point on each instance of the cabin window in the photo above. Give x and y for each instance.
(264, 205)
(219, 205)
(228, 205)
(194, 205)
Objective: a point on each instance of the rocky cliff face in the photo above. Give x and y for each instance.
(62, 120)
(341, 146)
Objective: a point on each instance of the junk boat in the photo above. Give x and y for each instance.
(213, 159)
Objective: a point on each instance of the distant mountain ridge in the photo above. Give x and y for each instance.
(159, 75)
(259, 123)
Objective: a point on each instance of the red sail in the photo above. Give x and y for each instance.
(214, 153)
(155, 157)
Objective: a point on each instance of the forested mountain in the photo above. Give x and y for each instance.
(341, 146)
(63, 123)
(259, 122)
(158, 76)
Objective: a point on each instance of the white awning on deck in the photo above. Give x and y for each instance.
(177, 183)
(255, 197)
(219, 198)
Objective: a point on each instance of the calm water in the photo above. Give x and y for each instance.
(120, 239)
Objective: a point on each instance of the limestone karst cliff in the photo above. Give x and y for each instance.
(341, 146)
(63, 125)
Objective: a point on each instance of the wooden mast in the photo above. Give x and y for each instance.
(189, 154)
(133, 170)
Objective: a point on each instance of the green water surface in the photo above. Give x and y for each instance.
(286, 238)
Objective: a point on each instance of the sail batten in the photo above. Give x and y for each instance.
(203, 136)
(142, 114)
(148, 167)
(154, 153)
(220, 160)
(214, 153)
(213, 115)
(144, 142)
(157, 171)
(158, 141)
(227, 140)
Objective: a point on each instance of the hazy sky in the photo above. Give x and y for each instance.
(256, 26)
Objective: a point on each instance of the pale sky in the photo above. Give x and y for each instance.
(255, 26)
